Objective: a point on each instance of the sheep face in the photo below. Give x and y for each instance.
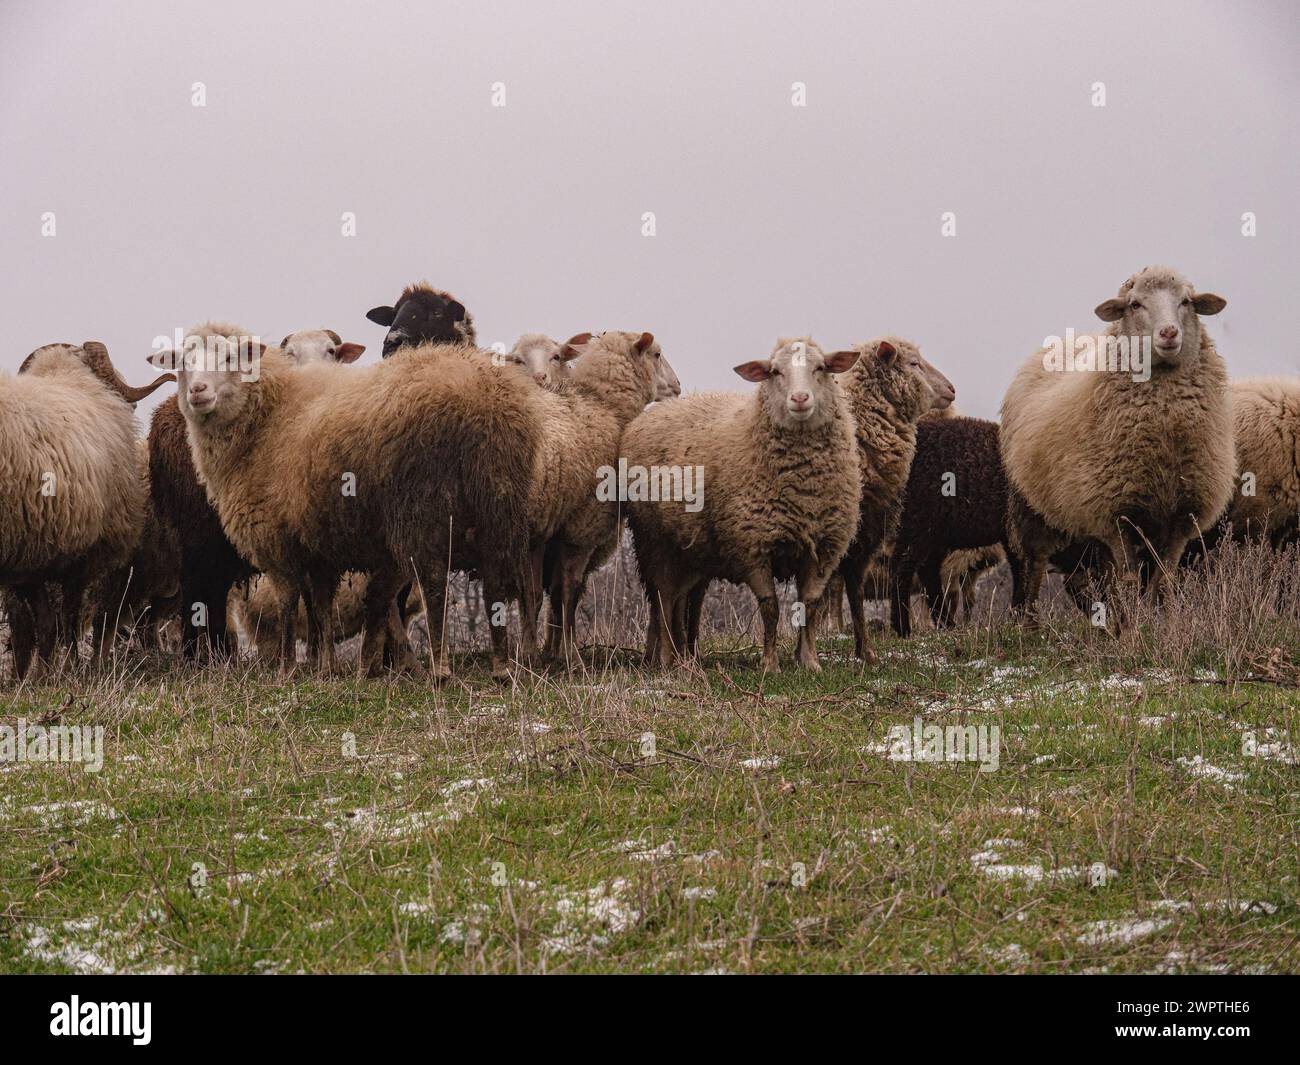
(216, 383)
(423, 316)
(797, 386)
(910, 384)
(319, 345)
(542, 359)
(1159, 304)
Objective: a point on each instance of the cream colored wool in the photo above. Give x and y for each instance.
(1101, 455)
(1266, 423)
(780, 501)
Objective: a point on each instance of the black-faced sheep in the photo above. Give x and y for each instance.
(322, 469)
(766, 488)
(889, 390)
(424, 315)
(1134, 452)
(72, 502)
(956, 500)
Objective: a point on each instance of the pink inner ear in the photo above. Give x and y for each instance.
(754, 371)
(886, 350)
(349, 352)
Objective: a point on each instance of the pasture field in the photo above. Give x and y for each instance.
(1142, 817)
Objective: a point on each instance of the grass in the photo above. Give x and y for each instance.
(699, 821)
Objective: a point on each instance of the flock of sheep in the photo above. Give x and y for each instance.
(295, 491)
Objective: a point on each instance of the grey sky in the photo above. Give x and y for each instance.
(771, 219)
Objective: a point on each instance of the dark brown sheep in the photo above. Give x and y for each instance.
(956, 499)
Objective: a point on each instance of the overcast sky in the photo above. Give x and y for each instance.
(770, 219)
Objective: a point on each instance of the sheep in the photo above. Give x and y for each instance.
(956, 500)
(320, 469)
(1122, 454)
(543, 358)
(576, 519)
(781, 499)
(424, 315)
(72, 502)
(892, 387)
(1266, 427)
(209, 564)
(255, 612)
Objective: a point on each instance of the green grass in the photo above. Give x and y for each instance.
(482, 828)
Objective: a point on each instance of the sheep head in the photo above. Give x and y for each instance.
(798, 388)
(424, 315)
(904, 378)
(215, 374)
(319, 345)
(630, 364)
(1160, 304)
(94, 357)
(542, 358)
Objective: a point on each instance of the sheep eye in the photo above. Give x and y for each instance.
(1135, 306)
(1187, 303)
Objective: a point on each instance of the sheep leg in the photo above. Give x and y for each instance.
(287, 609)
(812, 588)
(695, 607)
(22, 612)
(494, 592)
(1170, 555)
(764, 588)
(319, 600)
(573, 567)
(554, 614)
(902, 571)
(74, 593)
(935, 593)
(529, 602)
(650, 658)
(1124, 571)
(379, 640)
(854, 569)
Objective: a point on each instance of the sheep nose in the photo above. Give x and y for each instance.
(198, 388)
(1169, 332)
(799, 399)
(541, 379)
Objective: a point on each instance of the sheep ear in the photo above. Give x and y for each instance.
(1111, 311)
(1208, 303)
(349, 352)
(840, 361)
(644, 341)
(163, 360)
(284, 344)
(381, 315)
(571, 346)
(885, 351)
(456, 309)
(758, 370)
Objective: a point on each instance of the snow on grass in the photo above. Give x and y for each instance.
(1122, 930)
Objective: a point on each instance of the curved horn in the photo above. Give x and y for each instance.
(95, 356)
(334, 336)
